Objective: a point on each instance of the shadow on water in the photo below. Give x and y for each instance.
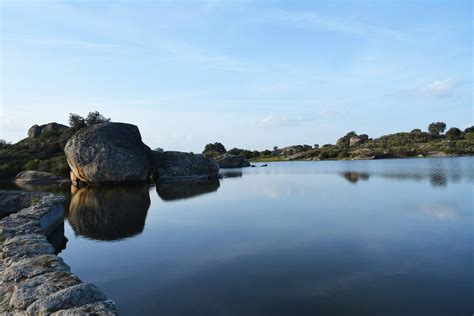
(109, 213)
(171, 191)
(226, 173)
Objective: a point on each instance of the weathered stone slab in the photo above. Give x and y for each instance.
(11, 226)
(76, 295)
(33, 281)
(18, 247)
(40, 287)
(105, 308)
(31, 267)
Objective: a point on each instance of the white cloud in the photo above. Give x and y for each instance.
(274, 120)
(439, 88)
(316, 20)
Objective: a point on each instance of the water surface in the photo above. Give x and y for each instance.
(386, 237)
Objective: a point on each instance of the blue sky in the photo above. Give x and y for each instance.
(247, 74)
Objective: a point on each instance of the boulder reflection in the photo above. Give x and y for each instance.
(170, 191)
(354, 177)
(109, 213)
(230, 173)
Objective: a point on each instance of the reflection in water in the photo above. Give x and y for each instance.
(227, 173)
(57, 239)
(354, 177)
(170, 191)
(109, 213)
(437, 177)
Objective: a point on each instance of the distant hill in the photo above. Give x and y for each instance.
(354, 146)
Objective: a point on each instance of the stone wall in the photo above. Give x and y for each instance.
(33, 280)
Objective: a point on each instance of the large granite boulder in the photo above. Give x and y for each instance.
(232, 161)
(108, 152)
(36, 131)
(358, 140)
(175, 165)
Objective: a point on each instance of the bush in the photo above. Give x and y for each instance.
(214, 150)
(453, 133)
(56, 165)
(436, 128)
(32, 164)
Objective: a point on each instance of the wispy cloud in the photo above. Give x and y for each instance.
(316, 20)
(439, 88)
(274, 120)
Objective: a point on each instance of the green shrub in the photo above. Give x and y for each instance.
(31, 164)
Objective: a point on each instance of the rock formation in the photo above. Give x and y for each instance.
(232, 161)
(358, 140)
(108, 152)
(36, 131)
(174, 165)
(34, 177)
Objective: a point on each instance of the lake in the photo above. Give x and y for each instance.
(380, 237)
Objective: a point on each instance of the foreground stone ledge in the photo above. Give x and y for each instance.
(33, 280)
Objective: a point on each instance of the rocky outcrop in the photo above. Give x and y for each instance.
(33, 280)
(108, 152)
(358, 140)
(36, 131)
(37, 177)
(232, 161)
(175, 165)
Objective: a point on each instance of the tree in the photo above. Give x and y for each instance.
(3, 144)
(158, 149)
(469, 136)
(275, 148)
(469, 130)
(453, 133)
(416, 130)
(96, 118)
(436, 128)
(76, 121)
(316, 146)
(214, 150)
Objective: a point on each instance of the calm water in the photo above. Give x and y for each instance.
(386, 237)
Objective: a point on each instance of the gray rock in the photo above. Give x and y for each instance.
(34, 177)
(30, 267)
(175, 165)
(103, 308)
(108, 152)
(36, 131)
(232, 161)
(18, 247)
(13, 201)
(11, 226)
(76, 295)
(25, 293)
(358, 140)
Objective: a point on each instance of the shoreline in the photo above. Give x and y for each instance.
(355, 159)
(34, 280)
